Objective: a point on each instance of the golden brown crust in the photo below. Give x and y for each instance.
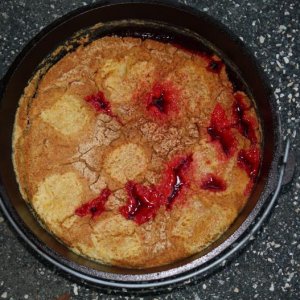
(66, 153)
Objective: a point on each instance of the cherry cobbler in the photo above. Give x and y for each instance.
(136, 153)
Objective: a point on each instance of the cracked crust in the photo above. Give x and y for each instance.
(66, 153)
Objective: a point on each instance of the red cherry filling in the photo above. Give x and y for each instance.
(220, 130)
(225, 138)
(215, 66)
(249, 161)
(99, 102)
(144, 201)
(175, 179)
(246, 128)
(219, 119)
(142, 204)
(244, 123)
(213, 183)
(161, 102)
(94, 207)
(176, 184)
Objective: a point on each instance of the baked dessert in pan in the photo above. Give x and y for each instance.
(136, 153)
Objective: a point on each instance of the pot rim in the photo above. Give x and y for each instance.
(152, 279)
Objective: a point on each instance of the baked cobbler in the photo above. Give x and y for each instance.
(136, 153)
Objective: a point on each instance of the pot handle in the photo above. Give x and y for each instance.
(288, 159)
(289, 168)
(1, 86)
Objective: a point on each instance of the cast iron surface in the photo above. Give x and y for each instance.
(216, 37)
(22, 69)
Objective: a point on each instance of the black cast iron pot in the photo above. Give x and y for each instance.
(165, 22)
